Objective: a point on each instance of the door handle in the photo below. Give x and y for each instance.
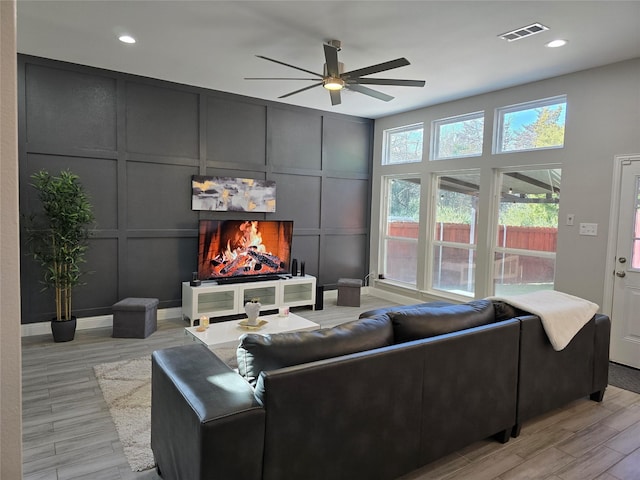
(621, 274)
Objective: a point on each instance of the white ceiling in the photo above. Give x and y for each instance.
(453, 45)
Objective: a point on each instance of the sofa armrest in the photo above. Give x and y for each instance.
(549, 379)
(601, 356)
(205, 420)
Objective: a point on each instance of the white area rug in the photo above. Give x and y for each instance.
(126, 387)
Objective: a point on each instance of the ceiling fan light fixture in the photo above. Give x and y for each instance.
(333, 83)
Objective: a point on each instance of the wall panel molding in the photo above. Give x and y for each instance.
(157, 135)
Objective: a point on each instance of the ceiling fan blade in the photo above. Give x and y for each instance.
(331, 57)
(388, 81)
(301, 90)
(381, 67)
(277, 78)
(369, 91)
(290, 66)
(335, 97)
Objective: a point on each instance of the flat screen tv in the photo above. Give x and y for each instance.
(237, 250)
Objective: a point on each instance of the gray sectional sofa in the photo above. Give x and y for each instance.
(373, 398)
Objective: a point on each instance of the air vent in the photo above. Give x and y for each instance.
(523, 32)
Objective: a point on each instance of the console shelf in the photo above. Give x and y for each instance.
(215, 300)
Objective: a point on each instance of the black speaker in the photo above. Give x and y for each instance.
(302, 269)
(319, 297)
(294, 267)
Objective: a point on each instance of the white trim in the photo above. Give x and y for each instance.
(392, 297)
(612, 239)
(100, 321)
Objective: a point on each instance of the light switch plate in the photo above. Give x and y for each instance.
(570, 218)
(590, 229)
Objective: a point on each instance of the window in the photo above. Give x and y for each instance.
(527, 230)
(403, 145)
(457, 136)
(635, 254)
(454, 240)
(402, 225)
(531, 125)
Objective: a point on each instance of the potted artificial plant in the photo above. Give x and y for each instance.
(57, 240)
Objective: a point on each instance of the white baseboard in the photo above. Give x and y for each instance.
(392, 297)
(100, 321)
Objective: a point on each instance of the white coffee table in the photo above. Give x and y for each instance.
(229, 332)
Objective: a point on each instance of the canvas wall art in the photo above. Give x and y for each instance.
(227, 194)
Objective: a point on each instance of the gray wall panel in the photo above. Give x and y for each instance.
(98, 176)
(101, 281)
(156, 267)
(147, 138)
(70, 108)
(94, 297)
(162, 121)
(227, 172)
(159, 196)
(345, 150)
(296, 139)
(343, 203)
(236, 131)
(341, 258)
(289, 190)
(305, 248)
(37, 304)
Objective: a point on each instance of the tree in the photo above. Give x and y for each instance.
(455, 207)
(547, 130)
(405, 146)
(405, 199)
(461, 138)
(529, 214)
(57, 237)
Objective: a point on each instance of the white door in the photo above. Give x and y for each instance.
(625, 315)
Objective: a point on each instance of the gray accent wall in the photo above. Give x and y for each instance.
(135, 142)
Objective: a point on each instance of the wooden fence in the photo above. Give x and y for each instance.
(454, 262)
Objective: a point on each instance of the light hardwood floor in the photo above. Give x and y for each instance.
(68, 432)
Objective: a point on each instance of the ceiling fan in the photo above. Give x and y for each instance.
(335, 79)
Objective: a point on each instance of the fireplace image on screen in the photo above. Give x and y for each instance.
(236, 250)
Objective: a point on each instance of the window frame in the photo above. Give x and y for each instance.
(494, 248)
(433, 243)
(435, 134)
(385, 237)
(386, 143)
(498, 124)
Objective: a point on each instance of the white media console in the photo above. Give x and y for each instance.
(215, 300)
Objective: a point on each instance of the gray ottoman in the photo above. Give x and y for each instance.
(135, 317)
(349, 292)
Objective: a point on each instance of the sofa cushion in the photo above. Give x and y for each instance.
(428, 321)
(269, 352)
(504, 311)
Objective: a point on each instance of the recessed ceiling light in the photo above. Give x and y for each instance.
(126, 39)
(556, 43)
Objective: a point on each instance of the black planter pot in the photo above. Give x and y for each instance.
(63, 331)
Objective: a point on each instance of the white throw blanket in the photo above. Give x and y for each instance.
(562, 315)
